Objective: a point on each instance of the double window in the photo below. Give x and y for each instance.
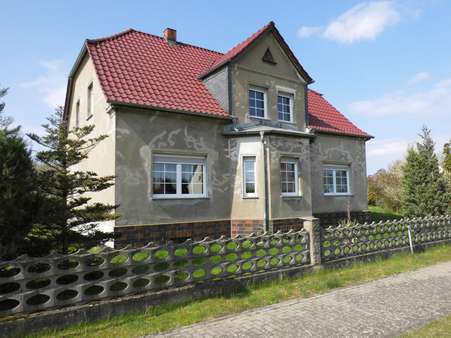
(257, 103)
(178, 177)
(289, 177)
(336, 180)
(249, 177)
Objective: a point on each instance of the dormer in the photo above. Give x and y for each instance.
(261, 82)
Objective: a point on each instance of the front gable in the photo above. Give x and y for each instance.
(267, 56)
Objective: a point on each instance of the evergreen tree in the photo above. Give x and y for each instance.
(67, 189)
(424, 189)
(18, 200)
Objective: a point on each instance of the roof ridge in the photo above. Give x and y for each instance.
(130, 30)
(111, 37)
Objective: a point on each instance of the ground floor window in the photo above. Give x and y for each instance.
(289, 177)
(249, 177)
(336, 180)
(178, 177)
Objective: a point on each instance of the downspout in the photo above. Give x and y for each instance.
(265, 184)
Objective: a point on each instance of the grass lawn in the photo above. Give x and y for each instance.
(382, 214)
(169, 317)
(438, 328)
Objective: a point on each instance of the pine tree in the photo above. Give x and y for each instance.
(70, 212)
(18, 200)
(424, 189)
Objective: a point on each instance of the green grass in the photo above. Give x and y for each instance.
(438, 328)
(381, 214)
(167, 317)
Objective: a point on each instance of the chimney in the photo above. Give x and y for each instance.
(170, 35)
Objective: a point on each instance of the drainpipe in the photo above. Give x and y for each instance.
(265, 185)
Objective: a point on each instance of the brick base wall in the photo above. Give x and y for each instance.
(285, 225)
(246, 227)
(333, 218)
(142, 234)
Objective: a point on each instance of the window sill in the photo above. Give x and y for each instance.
(250, 197)
(258, 118)
(162, 198)
(339, 195)
(291, 196)
(287, 122)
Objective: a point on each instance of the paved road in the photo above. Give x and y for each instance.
(383, 308)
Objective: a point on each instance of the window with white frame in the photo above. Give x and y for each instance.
(336, 180)
(289, 177)
(257, 102)
(249, 177)
(89, 102)
(178, 177)
(285, 107)
(77, 114)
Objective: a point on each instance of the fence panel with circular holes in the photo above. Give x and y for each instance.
(348, 241)
(31, 284)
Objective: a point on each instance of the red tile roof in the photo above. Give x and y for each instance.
(324, 117)
(137, 68)
(143, 69)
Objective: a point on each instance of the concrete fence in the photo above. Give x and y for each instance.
(344, 242)
(30, 284)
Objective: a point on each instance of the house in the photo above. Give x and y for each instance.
(208, 144)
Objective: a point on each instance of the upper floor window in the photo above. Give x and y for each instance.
(178, 177)
(249, 177)
(289, 177)
(89, 101)
(77, 114)
(285, 107)
(257, 103)
(336, 180)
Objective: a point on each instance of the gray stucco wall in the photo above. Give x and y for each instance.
(218, 86)
(144, 133)
(289, 206)
(339, 150)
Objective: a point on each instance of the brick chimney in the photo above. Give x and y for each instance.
(170, 35)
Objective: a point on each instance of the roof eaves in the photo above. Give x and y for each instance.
(145, 106)
(342, 133)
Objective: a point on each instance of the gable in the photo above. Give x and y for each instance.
(253, 58)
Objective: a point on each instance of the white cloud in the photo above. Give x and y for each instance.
(418, 78)
(51, 86)
(436, 100)
(308, 31)
(364, 21)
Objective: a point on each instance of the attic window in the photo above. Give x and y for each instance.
(268, 58)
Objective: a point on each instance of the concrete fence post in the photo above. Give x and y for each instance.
(311, 225)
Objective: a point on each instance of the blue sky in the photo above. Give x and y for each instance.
(384, 64)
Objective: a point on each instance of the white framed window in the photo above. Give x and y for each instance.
(89, 102)
(77, 114)
(289, 180)
(257, 103)
(285, 107)
(249, 176)
(336, 180)
(178, 177)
